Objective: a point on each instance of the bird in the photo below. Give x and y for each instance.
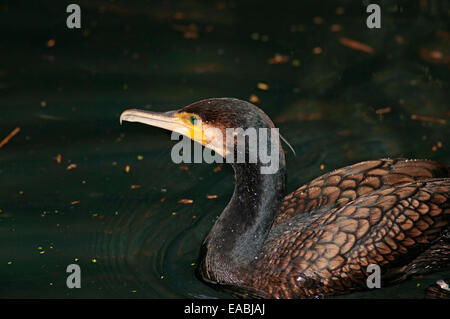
(319, 240)
(439, 290)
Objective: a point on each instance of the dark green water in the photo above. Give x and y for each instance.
(133, 241)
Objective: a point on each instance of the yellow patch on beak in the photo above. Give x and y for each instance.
(195, 131)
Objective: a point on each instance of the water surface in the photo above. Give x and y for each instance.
(66, 193)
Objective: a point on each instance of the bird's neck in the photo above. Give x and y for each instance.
(239, 233)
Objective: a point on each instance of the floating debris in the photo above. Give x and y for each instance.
(218, 168)
(434, 56)
(355, 45)
(399, 39)
(140, 157)
(318, 20)
(212, 196)
(94, 260)
(278, 59)
(43, 103)
(340, 10)
(135, 186)
(428, 119)
(322, 167)
(127, 169)
(178, 15)
(296, 62)
(335, 28)
(262, 86)
(189, 31)
(71, 166)
(184, 167)
(50, 43)
(185, 201)
(317, 50)
(254, 99)
(10, 136)
(58, 158)
(383, 110)
(75, 202)
(438, 55)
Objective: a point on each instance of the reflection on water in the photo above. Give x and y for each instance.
(67, 195)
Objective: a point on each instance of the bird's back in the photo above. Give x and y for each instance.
(391, 212)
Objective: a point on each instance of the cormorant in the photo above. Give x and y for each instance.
(320, 239)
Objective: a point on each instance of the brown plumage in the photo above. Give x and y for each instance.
(385, 212)
(440, 290)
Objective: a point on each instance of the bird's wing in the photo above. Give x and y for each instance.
(388, 227)
(337, 188)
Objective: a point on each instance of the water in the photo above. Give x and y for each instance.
(127, 231)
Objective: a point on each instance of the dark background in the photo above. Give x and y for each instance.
(65, 193)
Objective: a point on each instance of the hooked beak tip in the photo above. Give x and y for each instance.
(126, 115)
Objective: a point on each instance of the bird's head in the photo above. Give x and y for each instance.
(206, 121)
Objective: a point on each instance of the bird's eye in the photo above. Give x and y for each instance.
(193, 119)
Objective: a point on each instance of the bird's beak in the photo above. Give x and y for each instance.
(165, 120)
(171, 121)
